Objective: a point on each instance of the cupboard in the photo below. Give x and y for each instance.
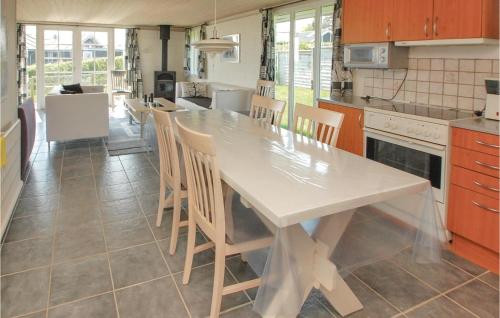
(411, 20)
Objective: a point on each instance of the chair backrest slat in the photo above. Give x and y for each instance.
(323, 125)
(204, 183)
(169, 156)
(265, 88)
(267, 109)
(119, 80)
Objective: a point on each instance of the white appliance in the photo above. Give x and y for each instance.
(375, 55)
(492, 99)
(414, 139)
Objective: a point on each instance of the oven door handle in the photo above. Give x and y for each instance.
(402, 140)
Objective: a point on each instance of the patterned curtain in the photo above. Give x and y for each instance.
(187, 53)
(133, 63)
(267, 59)
(21, 64)
(202, 56)
(341, 77)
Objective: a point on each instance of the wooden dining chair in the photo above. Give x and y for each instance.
(206, 210)
(170, 175)
(267, 109)
(265, 88)
(323, 124)
(119, 85)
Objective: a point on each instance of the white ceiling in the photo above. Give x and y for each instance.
(134, 12)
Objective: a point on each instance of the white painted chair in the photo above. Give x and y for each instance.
(267, 109)
(265, 88)
(206, 210)
(324, 125)
(170, 175)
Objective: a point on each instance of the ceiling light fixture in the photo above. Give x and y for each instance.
(214, 45)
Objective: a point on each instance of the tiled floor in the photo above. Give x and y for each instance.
(83, 243)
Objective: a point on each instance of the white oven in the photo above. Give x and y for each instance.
(421, 158)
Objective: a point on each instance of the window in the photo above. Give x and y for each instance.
(325, 67)
(58, 58)
(194, 37)
(31, 61)
(94, 58)
(120, 35)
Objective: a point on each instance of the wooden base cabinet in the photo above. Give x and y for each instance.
(473, 206)
(351, 134)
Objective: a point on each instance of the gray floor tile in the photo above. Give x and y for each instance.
(51, 164)
(141, 174)
(313, 308)
(115, 192)
(111, 178)
(77, 184)
(149, 203)
(147, 186)
(102, 306)
(23, 255)
(101, 167)
(84, 197)
(76, 171)
(137, 264)
(163, 231)
(490, 278)
(31, 226)
(438, 308)
(478, 297)
(31, 287)
(158, 298)
(40, 314)
(243, 272)
(198, 293)
(373, 304)
(127, 233)
(34, 189)
(120, 210)
(73, 218)
(83, 278)
(441, 276)
(43, 175)
(176, 261)
(79, 242)
(394, 284)
(77, 161)
(462, 263)
(36, 205)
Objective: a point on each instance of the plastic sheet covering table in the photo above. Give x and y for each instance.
(330, 211)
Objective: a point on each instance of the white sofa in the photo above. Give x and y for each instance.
(223, 96)
(77, 116)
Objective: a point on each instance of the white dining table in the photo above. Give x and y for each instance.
(309, 192)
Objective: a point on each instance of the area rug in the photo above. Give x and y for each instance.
(124, 138)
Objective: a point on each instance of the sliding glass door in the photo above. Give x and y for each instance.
(58, 58)
(303, 52)
(94, 58)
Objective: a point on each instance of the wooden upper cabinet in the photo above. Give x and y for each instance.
(457, 19)
(412, 20)
(366, 21)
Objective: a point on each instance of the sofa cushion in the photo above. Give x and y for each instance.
(204, 102)
(77, 88)
(201, 89)
(188, 89)
(65, 92)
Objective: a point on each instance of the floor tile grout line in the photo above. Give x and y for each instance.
(460, 305)
(54, 238)
(484, 274)
(236, 279)
(38, 237)
(105, 241)
(157, 244)
(460, 268)
(376, 292)
(143, 283)
(234, 308)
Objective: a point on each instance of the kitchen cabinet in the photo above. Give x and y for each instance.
(351, 133)
(473, 206)
(367, 21)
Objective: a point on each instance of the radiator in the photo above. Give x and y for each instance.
(10, 173)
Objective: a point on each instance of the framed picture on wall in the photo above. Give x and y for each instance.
(233, 55)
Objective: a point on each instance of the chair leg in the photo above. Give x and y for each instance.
(189, 251)
(161, 205)
(218, 282)
(176, 220)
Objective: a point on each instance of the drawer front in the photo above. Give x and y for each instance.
(468, 216)
(475, 181)
(475, 161)
(485, 143)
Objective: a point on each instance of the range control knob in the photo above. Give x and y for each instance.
(418, 131)
(427, 133)
(387, 124)
(436, 135)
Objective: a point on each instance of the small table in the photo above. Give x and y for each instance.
(139, 111)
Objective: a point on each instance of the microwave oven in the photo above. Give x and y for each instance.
(375, 55)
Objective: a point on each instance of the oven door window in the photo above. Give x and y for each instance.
(413, 161)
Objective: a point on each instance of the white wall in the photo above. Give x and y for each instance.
(246, 72)
(150, 50)
(9, 67)
(452, 51)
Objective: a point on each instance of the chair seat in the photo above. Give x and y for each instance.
(247, 226)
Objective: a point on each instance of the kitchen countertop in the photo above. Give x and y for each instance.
(480, 124)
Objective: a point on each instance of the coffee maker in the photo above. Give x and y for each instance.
(492, 99)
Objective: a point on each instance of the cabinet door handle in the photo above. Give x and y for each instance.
(486, 165)
(482, 143)
(359, 121)
(486, 187)
(485, 207)
(426, 27)
(435, 26)
(388, 31)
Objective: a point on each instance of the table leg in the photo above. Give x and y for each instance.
(305, 264)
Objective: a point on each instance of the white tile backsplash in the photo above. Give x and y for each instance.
(446, 82)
